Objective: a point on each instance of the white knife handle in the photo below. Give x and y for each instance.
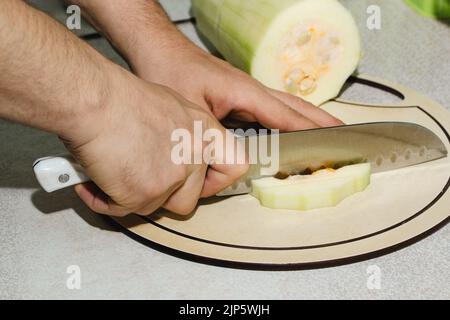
(59, 172)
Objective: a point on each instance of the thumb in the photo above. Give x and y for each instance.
(227, 162)
(96, 200)
(257, 103)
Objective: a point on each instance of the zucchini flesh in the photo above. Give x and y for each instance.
(324, 188)
(305, 47)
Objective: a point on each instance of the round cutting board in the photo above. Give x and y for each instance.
(399, 208)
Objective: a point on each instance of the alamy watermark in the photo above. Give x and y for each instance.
(374, 17)
(217, 147)
(374, 277)
(73, 21)
(73, 281)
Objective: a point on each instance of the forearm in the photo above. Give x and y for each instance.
(139, 29)
(49, 79)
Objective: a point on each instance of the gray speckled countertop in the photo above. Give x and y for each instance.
(41, 234)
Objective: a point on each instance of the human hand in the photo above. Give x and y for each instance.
(228, 92)
(159, 53)
(117, 126)
(125, 148)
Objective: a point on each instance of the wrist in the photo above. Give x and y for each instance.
(145, 57)
(87, 108)
(139, 30)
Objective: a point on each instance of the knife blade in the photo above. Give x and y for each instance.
(386, 145)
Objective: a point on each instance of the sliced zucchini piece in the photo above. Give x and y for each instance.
(324, 188)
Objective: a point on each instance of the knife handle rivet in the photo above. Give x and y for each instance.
(64, 178)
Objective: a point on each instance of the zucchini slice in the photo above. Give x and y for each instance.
(324, 188)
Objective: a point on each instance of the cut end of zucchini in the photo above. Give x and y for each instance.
(324, 188)
(310, 50)
(305, 47)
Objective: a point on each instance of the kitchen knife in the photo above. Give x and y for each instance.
(386, 145)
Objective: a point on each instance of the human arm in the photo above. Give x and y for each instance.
(158, 52)
(117, 126)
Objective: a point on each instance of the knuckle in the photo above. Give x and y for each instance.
(94, 208)
(240, 75)
(177, 177)
(184, 209)
(119, 214)
(149, 193)
(147, 211)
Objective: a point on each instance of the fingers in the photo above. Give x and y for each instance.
(307, 109)
(272, 112)
(184, 200)
(227, 166)
(220, 177)
(98, 201)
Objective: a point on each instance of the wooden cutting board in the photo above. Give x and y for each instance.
(398, 209)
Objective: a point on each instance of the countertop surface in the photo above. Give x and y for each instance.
(41, 234)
